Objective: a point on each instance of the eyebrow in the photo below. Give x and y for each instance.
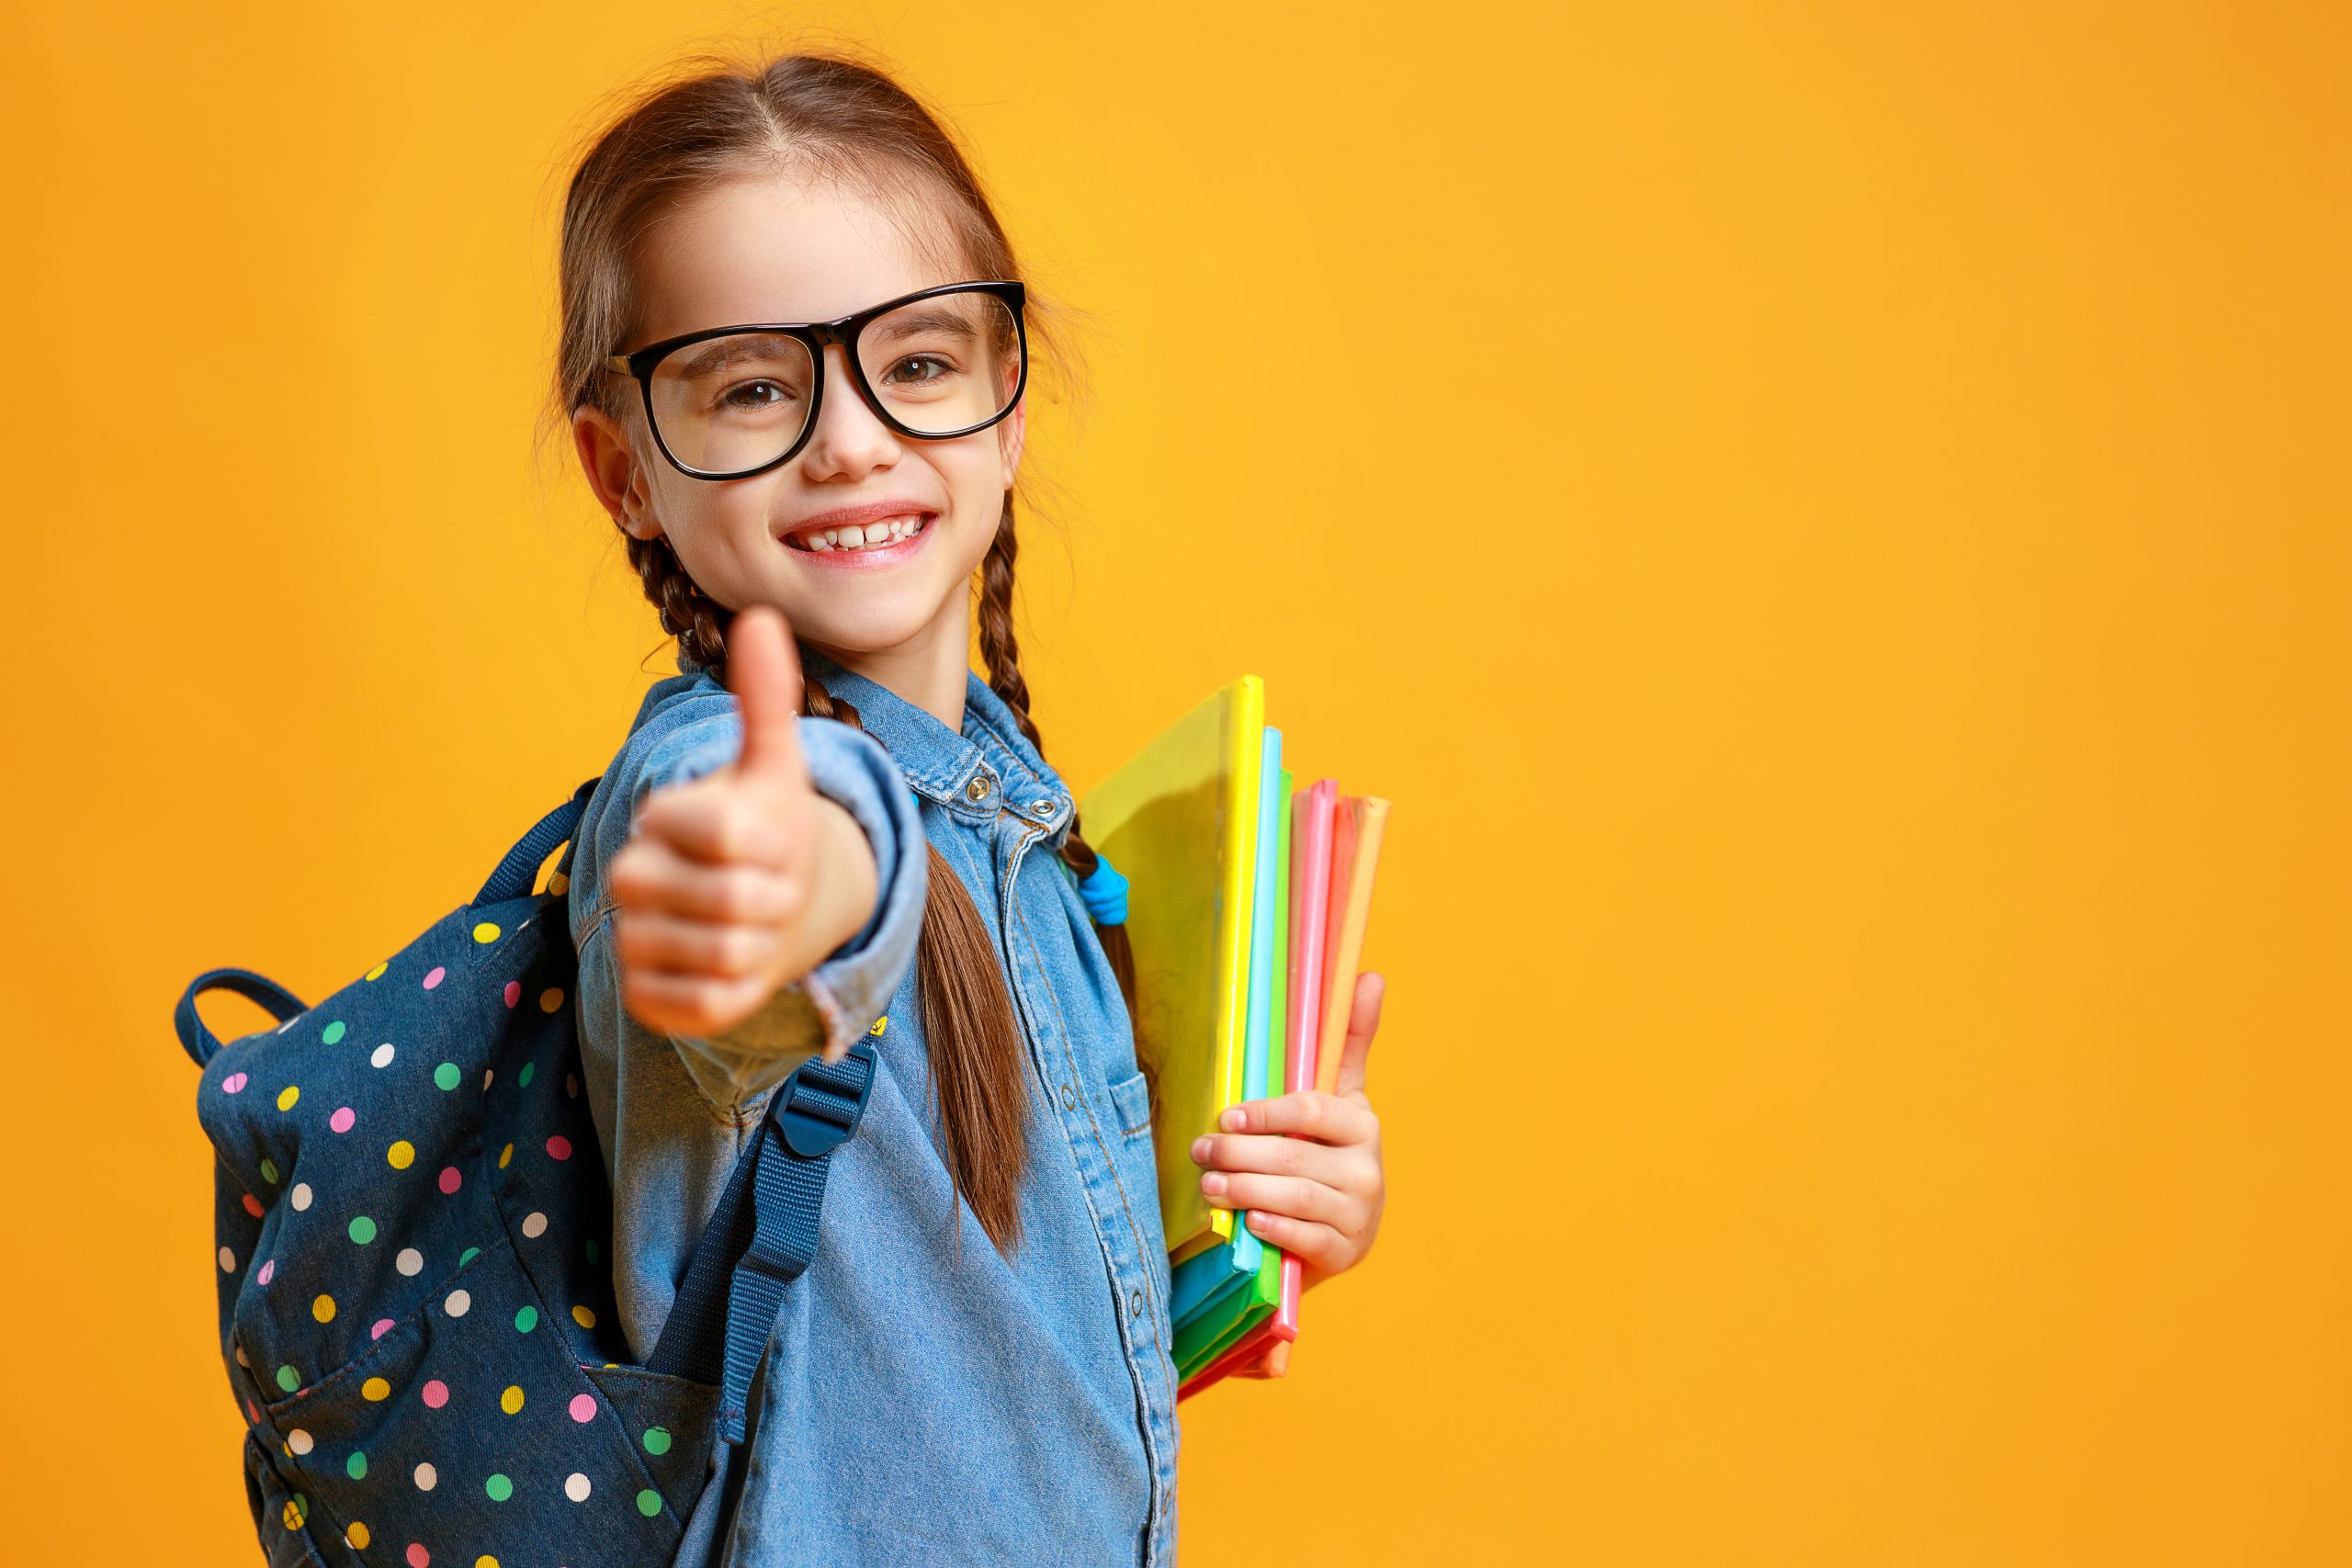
(719, 353)
(909, 321)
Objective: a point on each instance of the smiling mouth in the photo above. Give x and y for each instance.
(880, 534)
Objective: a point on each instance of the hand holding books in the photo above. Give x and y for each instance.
(1249, 906)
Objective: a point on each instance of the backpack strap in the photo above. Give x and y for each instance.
(200, 1042)
(763, 1235)
(521, 867)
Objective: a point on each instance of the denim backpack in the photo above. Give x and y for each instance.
(414, 1229)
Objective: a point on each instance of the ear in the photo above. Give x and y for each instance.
(1011, 437)
(610, 463)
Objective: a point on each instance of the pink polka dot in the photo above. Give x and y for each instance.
(252, 1411)
(418, 1557)
(382, 1326)
(450, 1179)
(269, 1270)
(342, 1119)
(232, 1083)
(583, 1407)
(437, 1394)
(559, 1147)
(253, 1205)
(514, 992)
(433, 978)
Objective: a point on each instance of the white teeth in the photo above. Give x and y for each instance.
(870, 535)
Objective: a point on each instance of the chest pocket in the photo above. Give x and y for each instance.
(1131, 1102)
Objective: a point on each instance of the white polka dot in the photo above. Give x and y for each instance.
(381, 1056)
(425, 1477)
(411, 1262)
(299, 1440)
(534, 1225)
(576, 1487)
(228, 1261)
(300, 1197)
(457, 1302)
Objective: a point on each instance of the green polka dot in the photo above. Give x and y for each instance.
(302, 1506)
(363, 1229)
(649, 1502)
(591, 1250)
(526, 1320)
(523, 1078)
(289, 1379)
(657, 1439)
(355, 1466)
(335, 1031)
(499, 1488)
(269, 1171)
(446, 1075)
(467, 1255)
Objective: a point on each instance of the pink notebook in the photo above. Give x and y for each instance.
(1313, 812)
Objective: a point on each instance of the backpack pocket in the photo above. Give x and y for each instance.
(280, 1517)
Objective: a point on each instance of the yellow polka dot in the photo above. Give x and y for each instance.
(375, 1389)
(287, 1096)
(402, 1155)
(292, 1518)
(324, 1309)
(880, 1024)
(511, 1400)
(485, 1561)
(377, 974)
(504, 1155)
(357, 1537)
(583, 1317)
(558, 883)
(552, 998)
(486, 931)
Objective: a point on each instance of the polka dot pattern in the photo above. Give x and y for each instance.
(371, 1388)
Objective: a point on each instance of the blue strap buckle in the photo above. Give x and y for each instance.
(821, 1101)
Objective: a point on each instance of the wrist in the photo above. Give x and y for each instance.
(846, 882)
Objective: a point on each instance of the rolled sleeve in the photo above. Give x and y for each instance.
(839, 1000)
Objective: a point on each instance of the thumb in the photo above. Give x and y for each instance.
(1363, 1020)
(764, 671)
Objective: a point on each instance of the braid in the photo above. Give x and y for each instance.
(1001, 651)
(695, 619)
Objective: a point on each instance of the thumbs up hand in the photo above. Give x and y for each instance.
(736, 884)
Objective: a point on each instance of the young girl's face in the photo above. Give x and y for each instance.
(782, 249)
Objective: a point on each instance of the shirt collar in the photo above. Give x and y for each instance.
(986, 769)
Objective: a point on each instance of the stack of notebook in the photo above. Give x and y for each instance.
(1246, 909)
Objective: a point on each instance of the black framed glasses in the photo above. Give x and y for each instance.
(726, 402)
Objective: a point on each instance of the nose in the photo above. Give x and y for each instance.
(848, 441)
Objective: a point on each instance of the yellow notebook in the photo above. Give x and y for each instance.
(1180, 820)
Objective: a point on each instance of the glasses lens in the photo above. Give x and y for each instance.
(943, 364)
(729, 403)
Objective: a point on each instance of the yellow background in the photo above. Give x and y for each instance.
(1830, 521)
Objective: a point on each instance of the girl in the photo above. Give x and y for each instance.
(976, 1367)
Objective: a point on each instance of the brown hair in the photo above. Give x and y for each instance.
(837, 118)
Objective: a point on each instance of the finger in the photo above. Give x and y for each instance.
(1331, 1165)
(654, 941)
(718, 825)
(650, 875)
(1295, 1196)
(692, 1005)
(1306, 1113)
(1318, 1246)
(764, 671)
(1278, 1359)
(1363, 1020)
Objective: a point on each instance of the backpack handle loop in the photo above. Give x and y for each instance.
(200, 1042)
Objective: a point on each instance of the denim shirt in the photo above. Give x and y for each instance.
(924, 1399)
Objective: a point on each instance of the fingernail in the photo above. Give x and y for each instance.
(1200, 1149)
(1234, 1119)
(1213, 1183)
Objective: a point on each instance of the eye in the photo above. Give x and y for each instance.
(938, 367)
(747, 396)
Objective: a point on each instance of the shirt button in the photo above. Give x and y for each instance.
(1047, 807)
(978, 788)
(1069, 1097)
(1134, 1304)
